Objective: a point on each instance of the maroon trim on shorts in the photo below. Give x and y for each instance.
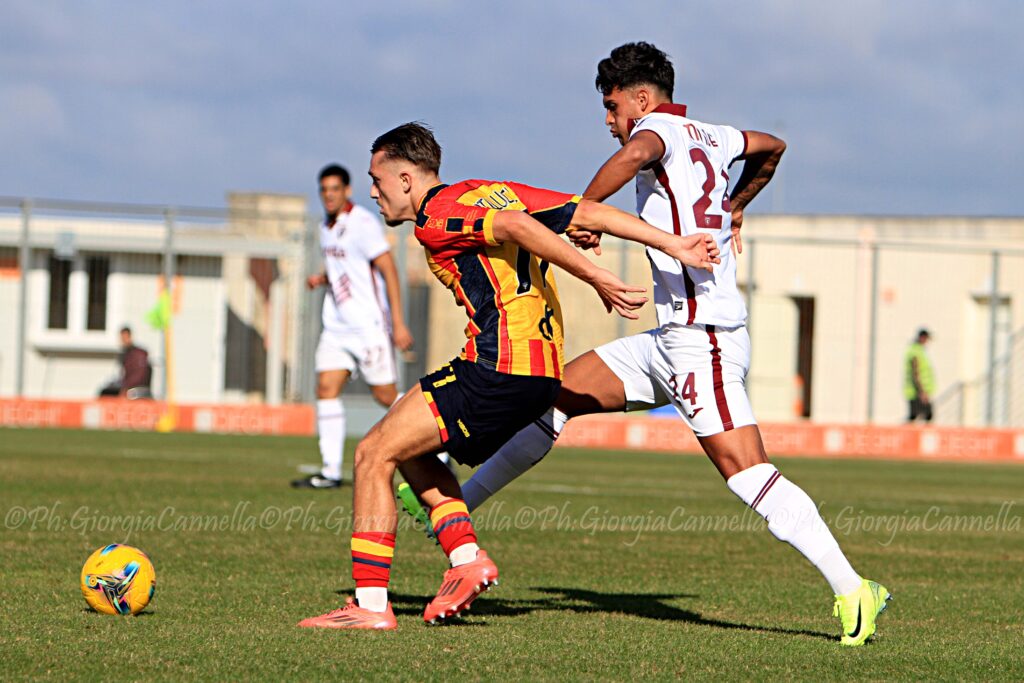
(716, 377)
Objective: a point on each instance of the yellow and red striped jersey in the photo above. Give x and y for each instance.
(515, 320)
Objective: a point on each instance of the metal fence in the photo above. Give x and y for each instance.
(833, 301)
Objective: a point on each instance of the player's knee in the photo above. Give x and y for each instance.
(368, 458)
(326, 389)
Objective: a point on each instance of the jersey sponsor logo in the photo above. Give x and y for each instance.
(335, 252)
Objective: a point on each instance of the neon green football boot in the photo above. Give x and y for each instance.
(414, 509)
(858, 611)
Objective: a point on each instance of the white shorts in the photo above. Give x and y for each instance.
(700, 369)
(368, 353)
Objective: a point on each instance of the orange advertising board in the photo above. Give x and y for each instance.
(615, 432)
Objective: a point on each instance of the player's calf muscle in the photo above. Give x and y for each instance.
(330, 383)
(735, 450)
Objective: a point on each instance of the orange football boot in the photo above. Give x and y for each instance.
(353, 616)
(460, 588)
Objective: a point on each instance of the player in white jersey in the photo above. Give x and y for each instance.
(698, 356)
(362, 317)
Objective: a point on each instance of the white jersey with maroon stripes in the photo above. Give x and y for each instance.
(356, 301)
(686, 192)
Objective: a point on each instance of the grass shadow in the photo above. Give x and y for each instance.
(645, 605)
(649, 606)
(144, 613)
(578, 601)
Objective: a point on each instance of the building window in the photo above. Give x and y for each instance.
(97, 269)
(79, 288)
(60, 281)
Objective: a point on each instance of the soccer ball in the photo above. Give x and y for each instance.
(118, 579)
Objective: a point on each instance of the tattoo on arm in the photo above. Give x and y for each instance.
(758, 169)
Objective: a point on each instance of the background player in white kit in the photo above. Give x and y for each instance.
(362, 317)
(698, 357)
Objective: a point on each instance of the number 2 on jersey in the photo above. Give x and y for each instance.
(701, 206)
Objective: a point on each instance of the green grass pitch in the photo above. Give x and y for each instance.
(613, 566)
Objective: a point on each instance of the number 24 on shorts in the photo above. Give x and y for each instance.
(688, 392)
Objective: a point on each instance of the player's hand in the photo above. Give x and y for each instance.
(737, 223)
(402, 337)
(697, 251)
(617, 295)
(314, 281)
(585, 239)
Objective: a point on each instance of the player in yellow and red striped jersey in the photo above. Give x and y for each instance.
(490, 243)
(510, 296)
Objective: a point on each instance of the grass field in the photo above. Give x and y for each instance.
(614, 566)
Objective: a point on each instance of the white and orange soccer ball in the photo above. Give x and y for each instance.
(118, 579)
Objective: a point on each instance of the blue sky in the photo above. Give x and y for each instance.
(902, 107)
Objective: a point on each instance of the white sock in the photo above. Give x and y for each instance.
(792, 517)
(330, 423)
(374, 598)
(464, 554)
(523, 451)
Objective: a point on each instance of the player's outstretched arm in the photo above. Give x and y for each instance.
(696, 251)
(760, 160)
(621, 168)
(400, 334)
(522, 229)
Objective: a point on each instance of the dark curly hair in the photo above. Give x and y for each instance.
(635, 64)
(335, 170)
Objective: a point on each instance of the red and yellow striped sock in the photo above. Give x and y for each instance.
(371, 558)
(452, 525)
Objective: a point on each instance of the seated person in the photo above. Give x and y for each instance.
(136, 372)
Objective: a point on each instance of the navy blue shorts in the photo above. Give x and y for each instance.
(479, 408)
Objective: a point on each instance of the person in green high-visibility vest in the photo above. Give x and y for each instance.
(919, 378)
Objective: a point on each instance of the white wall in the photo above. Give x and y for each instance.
(945, 291)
